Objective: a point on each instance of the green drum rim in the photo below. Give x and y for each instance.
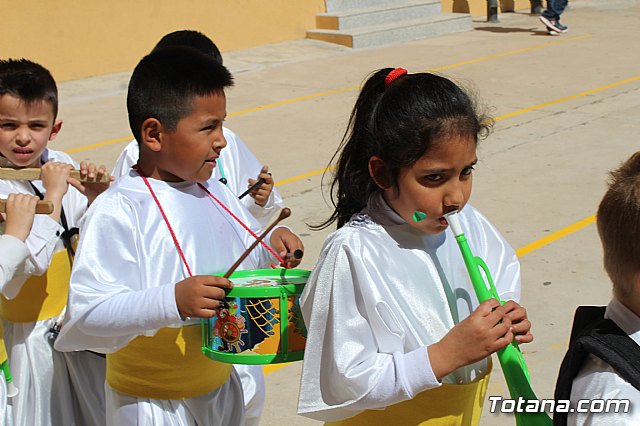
(252, 358)
(269, 290)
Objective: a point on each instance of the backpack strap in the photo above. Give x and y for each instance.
(593, 334)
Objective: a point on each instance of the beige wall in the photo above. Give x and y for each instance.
(479, 7)
(80, 38)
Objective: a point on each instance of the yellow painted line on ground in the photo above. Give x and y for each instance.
(569, 98)
(555, 236)
(512, 52)
(99, 145)
(348, 89)
(529, 248)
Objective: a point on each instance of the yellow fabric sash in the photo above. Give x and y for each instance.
(168, 365)
(447, 405)
(41, 297)
(3, 349)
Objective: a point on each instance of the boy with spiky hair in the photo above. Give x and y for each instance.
(166, 226)
(603, 361)
(54, 388)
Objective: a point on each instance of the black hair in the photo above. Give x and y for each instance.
(29, 82)
(164, 83)
(193, 39)
(399, 125)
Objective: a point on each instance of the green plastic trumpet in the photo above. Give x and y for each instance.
(514, 368)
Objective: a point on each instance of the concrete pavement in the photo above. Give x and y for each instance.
(567, 110)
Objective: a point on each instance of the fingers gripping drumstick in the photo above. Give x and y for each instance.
(284, 213)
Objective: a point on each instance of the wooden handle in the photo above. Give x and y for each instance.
(43, 207)
(284, 213)
(34, 174)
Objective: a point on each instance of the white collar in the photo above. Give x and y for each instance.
(624, 318)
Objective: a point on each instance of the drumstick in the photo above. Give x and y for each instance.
(253, 187)
(34, 174)
(284, 213)
(43, 207)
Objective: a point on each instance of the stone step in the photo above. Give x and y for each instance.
(341, 5)
(395, 32)
(390, 12)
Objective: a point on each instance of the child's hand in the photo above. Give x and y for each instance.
(521, 325)
(261, 194)
(284, 241)
(476, 337)
(200, 296)
(21, 209)
(90, 172)
(55, 178)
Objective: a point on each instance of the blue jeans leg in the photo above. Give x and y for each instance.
(555, 9)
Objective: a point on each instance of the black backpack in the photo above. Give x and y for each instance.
(593, 334)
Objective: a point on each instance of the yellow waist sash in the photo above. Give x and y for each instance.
(41, 297)
(3, 349)
(168, 365)
(447, 405)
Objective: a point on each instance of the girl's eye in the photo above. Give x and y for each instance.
(433, 178)
(8, 126)
(468, 170)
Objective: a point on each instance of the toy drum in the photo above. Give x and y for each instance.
(260, 321)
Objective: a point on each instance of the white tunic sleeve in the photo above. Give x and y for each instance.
(109, 304)
(14, 252)
(343, 372)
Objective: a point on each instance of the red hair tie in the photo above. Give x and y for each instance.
(393, 76)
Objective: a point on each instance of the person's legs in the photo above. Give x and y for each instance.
(555, 9)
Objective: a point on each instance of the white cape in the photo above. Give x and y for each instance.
(380, 293)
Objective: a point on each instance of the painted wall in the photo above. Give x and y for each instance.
(76, 39)
(479, 7)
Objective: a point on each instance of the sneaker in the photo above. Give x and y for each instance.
(552, 32)
(554, 25)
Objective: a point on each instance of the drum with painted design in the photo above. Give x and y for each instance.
(249, 327)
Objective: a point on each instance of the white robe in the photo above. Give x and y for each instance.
(236, 163)
(380, 293)
(124, 275)
(598, 380)
(49, 383)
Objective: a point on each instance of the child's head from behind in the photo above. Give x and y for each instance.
(176, 105)
(413, 137)
(28, 111)
(193, 39)
(618, 223)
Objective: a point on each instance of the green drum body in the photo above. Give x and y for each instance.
(260, 321)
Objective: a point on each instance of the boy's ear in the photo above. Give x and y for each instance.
(379, 172)
(150, 133)
(57, 125)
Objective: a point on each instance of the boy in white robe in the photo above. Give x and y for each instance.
(147, 244)
(54, 388)
(236, 168)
